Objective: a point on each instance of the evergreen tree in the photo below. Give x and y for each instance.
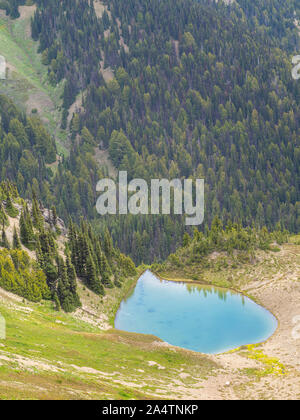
(26, 229)
(37, 217)
(10, 209)
(54, 216)
(3, 216)
(91, 279)
(16, 240)
(63, 291)
(72, 283)
(4, 240)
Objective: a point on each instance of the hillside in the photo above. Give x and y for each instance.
(53, 355)
(173, 89)
(227, 117)
(206, 258)
(200, 89)
(41, 259)
(26, 81)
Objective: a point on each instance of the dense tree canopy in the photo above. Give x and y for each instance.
(201, 89)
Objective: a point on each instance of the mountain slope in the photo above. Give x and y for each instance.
(50, 354)
(27, 82)
(41, 259)
(201, 89)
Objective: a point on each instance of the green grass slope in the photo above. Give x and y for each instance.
(49, 355)
(27, 83)
(53, 355)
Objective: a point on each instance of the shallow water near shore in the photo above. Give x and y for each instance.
(200, 318)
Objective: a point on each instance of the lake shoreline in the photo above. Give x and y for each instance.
(239, 291)
(132, 317)
(273, 283)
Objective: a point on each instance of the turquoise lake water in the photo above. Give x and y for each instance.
(204, 319)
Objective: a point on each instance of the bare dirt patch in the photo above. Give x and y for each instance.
(27, 11)
(107, 74)
(75, 108)
(103, 160)
(99, 9)
(28, 363)
(176, 46)
(40, 101)
(90, 311)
